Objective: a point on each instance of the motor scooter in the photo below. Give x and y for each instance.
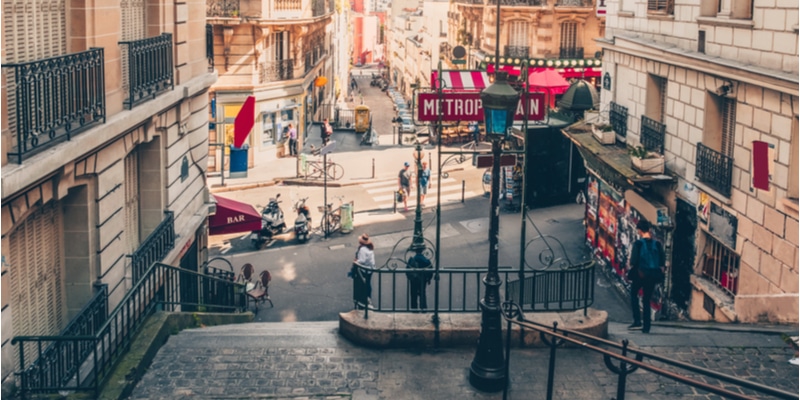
(302, 224)
(272, 223)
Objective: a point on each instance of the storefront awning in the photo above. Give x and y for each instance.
(611, 162)
(461, 80)
(233, 217)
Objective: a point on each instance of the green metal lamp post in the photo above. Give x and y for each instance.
(418, 243)
(488, 372)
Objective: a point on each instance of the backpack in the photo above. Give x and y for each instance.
(649, 256)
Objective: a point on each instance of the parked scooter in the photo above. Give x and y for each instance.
(302, 224)
(272, 223)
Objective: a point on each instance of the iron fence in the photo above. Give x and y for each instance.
(210, 46)
(629, 360)
(318, 8)
(653, 134)
(55, 98)
(163, 287)
(461, 289)
(517, 51)
(155, 247)
(618, 117)
(150, 69)
(570, 52)
(714, 169)
(222, 8)
(518, 3)
(274, 71)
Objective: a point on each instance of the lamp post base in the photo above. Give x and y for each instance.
(487, 371)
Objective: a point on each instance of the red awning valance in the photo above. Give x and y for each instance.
(233, 217)
(461, 80)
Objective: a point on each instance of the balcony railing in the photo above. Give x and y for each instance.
(318, 8)
(276, 71)
(618, 117)
(714, 169)
(313, 57)
(519, 3)
(163, 287)
(574, 3)
(222, 8)
(55, 98)
(150, 69)
(517, 51)
(653, 135)
(470, 1)
(155, 247)
(570, 52)
(210, 46)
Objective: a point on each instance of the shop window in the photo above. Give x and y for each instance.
(721, 266)
(267, 128)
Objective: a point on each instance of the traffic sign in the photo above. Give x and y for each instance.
(506, 160)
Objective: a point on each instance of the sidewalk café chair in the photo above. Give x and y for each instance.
(246, 273)
(260, 291)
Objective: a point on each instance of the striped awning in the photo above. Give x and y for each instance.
(461, 80)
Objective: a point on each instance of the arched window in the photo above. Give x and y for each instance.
(517, 39)
(570, 44)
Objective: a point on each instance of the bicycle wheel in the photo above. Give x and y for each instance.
(336, 223)
(335, 171)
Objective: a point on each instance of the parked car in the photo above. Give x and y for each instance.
(406, 126)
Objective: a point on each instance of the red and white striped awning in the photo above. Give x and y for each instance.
(461, 80)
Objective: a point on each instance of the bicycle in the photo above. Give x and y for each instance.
(315, 169)
(331, 220)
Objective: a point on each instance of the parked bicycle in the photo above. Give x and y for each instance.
(331, 220)
(317, 170)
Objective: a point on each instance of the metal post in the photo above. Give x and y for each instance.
(373, 168)
(325, 192)
(439, 84)
(418, 243)
(463, 187)
(487, 371)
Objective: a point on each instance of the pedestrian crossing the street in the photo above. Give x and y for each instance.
(383, 192)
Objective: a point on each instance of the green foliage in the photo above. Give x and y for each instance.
(640, 152)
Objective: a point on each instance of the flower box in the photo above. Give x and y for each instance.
(654, 165)
(604, 134)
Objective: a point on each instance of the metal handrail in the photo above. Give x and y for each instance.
(558, 336)
(150, 68)
(163, 287)
(158, 243)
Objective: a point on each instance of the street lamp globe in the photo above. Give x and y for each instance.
(499, 106)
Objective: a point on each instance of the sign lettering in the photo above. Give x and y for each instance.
(236, 219)
(468, 107)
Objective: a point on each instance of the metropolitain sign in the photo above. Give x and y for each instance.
(468, 107)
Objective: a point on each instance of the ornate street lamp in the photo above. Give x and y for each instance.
(488, 371)
(418, 243)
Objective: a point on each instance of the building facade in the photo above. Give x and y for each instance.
(711, 88)
(282, 54)
(104, 139)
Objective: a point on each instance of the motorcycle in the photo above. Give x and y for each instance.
(302, 224)
(272, 223)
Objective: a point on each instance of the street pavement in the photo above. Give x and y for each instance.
(295, 352)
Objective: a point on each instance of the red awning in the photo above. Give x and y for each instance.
(233, 217)
(461, 80)
(571, 72)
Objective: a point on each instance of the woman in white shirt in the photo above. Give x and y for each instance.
(365, 257)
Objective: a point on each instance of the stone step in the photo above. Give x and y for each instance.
(261, 334)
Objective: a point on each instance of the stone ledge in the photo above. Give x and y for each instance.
(391, 330)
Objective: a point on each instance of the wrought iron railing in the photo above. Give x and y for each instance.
(150, 69)
(519, 3)
(318, 8)
(222, 8)
(470, 1)
(574, 3)
(276, 71)
(714, 169)
(155, 247)
(461, 289)
(210, 46)
(653, 134)
(163, 287)
(517, 51)
(313, 57)
(618, 117)
(629, 359)
(55, 98)
(59, 361)
(570, 52)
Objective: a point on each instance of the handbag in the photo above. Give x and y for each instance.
(400, 195)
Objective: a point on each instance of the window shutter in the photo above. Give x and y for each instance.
(518, 34)
(660, 5)
(728, 126)
(132, 15)
(132, 200)
(569, 35)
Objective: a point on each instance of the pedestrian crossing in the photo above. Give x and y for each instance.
(383, 192)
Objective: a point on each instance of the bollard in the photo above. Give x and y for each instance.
(373, 168)
(463, 186)
(394, 200)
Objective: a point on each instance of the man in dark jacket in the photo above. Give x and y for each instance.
(418, 279)
(646, 263)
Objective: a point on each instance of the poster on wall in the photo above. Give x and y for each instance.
(703, 206)
(610, 207)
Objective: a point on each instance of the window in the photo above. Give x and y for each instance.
(517, 40)
(727, 9)
(132, 22)
(721, 265)
(569, 35)
(660, 6)
(267, 128)
(714, 162)
(792, 187)
(656, 97)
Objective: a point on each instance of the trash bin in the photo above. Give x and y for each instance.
(281, 148)
(347, 217)
(238, 167)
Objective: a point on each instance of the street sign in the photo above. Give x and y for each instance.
(506, 160)
(467, 106)
(457, 62)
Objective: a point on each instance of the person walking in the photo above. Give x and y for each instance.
(404, 183)
(419, 279)
(365, 257)
(424, 177)
(292, 141)
(327, 132)
(646, 263)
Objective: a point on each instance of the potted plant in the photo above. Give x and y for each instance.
(604, 133)
(646, 162)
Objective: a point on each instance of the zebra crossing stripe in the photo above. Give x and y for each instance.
(390, 186)
(430, 200)
(431, 192)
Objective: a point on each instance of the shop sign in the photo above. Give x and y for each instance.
(468, 107)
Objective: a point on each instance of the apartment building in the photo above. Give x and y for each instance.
(281, 53)
(104, 139)
(711, 88)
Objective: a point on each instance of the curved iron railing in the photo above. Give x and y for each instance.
(150, 69)
(155, 247)
(55, 98)
(630, 359)
(85, 361)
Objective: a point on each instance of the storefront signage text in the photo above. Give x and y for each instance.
(468, 107)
